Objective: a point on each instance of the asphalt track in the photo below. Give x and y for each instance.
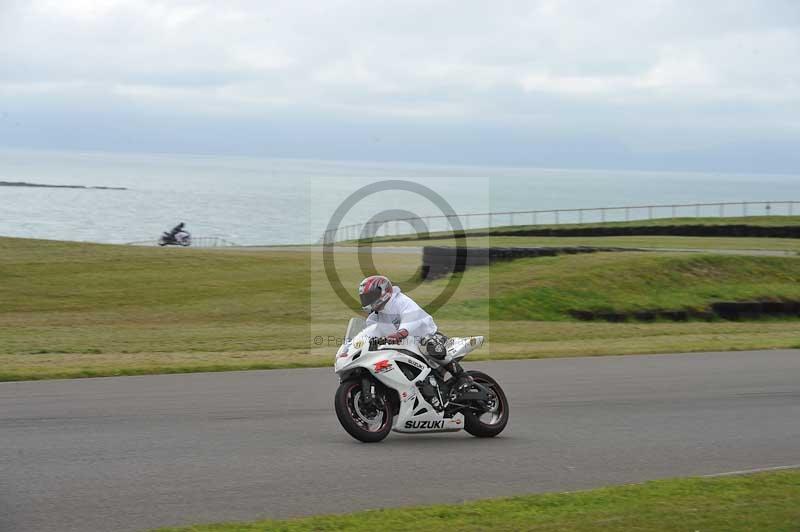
(134, 453)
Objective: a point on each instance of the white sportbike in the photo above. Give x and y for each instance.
(398, 387)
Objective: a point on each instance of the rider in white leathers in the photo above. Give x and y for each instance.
(397, 317)
(402, 319)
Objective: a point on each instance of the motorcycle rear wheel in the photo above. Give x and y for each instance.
(358, 423)
(492, 422)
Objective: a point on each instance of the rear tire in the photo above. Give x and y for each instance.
(489, 424)
(347, 403)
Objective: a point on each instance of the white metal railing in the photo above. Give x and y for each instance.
(489, 220)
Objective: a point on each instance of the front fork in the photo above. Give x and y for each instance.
(372, 403)
(367, 390)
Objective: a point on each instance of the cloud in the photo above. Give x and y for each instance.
(571, 65)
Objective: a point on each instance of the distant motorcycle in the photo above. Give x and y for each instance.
(181, 238)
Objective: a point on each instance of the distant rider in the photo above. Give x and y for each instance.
(175, 230)
(398, 318)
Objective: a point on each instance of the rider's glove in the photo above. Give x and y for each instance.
(396, 338)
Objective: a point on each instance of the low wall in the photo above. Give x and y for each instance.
(726, 310)
(442, 261)
(740, 230)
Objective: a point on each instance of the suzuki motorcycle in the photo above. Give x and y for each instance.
(398, 387)
(181, 238)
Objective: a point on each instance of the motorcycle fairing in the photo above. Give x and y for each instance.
(416, 414)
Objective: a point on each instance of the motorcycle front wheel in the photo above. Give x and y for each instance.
(493, 419)
(366, 423)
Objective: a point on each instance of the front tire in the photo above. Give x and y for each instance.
(494, 420)
(360, 424)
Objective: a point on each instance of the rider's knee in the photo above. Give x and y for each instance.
(435, 345)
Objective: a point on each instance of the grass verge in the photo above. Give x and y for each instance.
(507, 340)
(761, 502)
(82, 310)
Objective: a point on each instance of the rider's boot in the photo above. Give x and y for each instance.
(461, 380)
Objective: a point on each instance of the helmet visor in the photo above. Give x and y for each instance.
(369, 298)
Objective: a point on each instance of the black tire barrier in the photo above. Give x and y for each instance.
(724, 310)
(442, 261)
(737, 230)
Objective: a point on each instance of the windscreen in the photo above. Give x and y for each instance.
(355, 326)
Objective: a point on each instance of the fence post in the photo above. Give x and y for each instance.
(744, 209)
(602, 215)
(558, 221)
(627, 214)
(697, 211)
(580, 216)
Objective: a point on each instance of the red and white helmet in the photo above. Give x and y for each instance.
(375, 291)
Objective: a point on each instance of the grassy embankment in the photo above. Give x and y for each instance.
(72, 310)
(768, 502)
(548, 288)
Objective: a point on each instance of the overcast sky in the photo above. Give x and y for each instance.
(651, 84)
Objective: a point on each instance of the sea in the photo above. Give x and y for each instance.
(268, 201)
